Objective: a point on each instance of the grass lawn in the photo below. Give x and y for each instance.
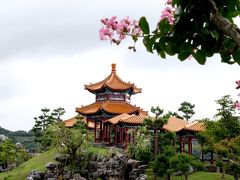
(199, 176)
(209, 176)
(37, 162)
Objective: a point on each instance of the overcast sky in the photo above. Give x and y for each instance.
(50, 48)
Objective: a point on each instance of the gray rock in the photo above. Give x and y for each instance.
(142, 177)
(78, 177)
(35, 174)
(50, 166)
(3, 137)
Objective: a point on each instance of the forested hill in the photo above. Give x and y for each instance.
(23, 137)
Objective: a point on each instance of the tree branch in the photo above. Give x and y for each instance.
(224, 24)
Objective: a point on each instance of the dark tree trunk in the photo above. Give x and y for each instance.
(169, 177)
(155, 142)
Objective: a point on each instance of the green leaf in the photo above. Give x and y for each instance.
(169, 49)
(183, 55)
(148, 42)
(236, 56)
(164, 26)
(200, 56)
(144, 25)
(214, 34)
(162, 54)
(238, 5)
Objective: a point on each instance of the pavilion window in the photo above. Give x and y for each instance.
(116, 97)
(101, 97)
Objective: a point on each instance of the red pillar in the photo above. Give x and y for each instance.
(100, 134)
(126, 137)
(121, 135)
(189, 145)
(109, 134)
(115, 135)
(95, 130)
(104, 132)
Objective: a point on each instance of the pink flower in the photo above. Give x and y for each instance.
(115, 31)
(104, 34)
(238, 84)
(237, 105)
(169, 2)
(167, 13)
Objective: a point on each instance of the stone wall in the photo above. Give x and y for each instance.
(114, 166)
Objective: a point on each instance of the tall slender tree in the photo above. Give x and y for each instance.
(43, 121)
(187, 110)
(57, 113)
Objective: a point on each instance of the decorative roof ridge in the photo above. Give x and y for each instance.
(127, 117)
(96, 102)
(116, 119)
(109, 82)
(114, 73)
(191, 124)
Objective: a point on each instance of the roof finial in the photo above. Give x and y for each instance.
(113, 67)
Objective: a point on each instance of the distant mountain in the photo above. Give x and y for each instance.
(23, 137)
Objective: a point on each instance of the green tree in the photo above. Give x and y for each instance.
(7, 153)
(227, 108)
(232, 151)
(57, 113)
(156, 123)
(49, 136)
(41, 130)
(21, 155)
(71, 141)
(184, 162)
(140, 149)
(187, 110)
(161, 164)
(41, 123)
(175, 114)
(222, 136)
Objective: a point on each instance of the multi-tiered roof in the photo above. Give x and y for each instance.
(112, 96)
(114, 83)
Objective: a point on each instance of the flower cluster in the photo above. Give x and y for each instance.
(238, 84)
(237, 103)
(115, 31)
(168, 12)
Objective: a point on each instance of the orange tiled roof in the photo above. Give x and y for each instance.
(126, 118)
(113, 107)
(175, 124)
(133, 119)
(195, 126)
(113, 81)
(116, 119)
(70, 122)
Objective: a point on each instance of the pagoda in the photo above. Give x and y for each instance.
(113, 97)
